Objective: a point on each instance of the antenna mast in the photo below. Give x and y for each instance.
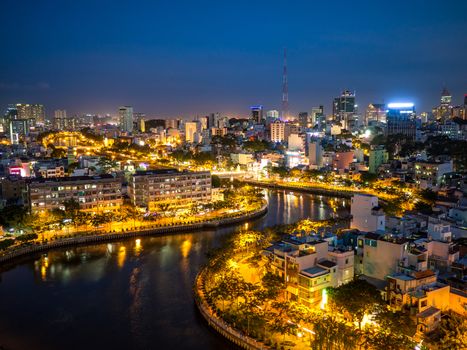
(285, 89)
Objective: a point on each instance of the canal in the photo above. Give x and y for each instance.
(133, 294)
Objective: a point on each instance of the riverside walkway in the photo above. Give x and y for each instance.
(91, 238)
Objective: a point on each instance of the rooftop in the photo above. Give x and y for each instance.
(423, 274)
(402, 277)
(72, 178)
(167, 172)
(314, 271)
(327, 263)
(431, 311)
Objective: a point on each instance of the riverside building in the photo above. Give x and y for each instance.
(152, 188)
(308, 265)
(93, 193)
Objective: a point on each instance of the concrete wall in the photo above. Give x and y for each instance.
(382, 260)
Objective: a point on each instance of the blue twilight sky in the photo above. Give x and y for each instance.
(182, 58)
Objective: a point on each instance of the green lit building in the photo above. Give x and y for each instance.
(378, 156)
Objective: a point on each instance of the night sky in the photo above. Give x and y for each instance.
(182, 58)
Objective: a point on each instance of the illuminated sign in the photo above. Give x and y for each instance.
(401, 105)
(17, 170)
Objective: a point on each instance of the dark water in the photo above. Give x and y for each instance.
(125, 295)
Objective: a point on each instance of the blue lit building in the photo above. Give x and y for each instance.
(257, 114)
(401, 120)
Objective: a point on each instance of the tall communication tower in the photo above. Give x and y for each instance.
(285, 89)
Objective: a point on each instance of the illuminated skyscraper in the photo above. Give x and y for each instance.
(62, 122)
(344, 109)
(317, 116)
(191, 128)
(125, 116)
(375, 113)
(140, 119)
(35, 112)
(257, 114)
(304, 120)
(444, 110)
(401, 119)
(446, 98)
(10, 114)
(272, 115)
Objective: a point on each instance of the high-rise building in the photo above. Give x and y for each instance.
(140, 119)
(317, 117)
(459, 112)
(277, 131)
(344, 109)
(10, 114)
(203, 121)
(62, 122)
(60, 113)
(375, 114)
(216, 120)
(172, 123)
(272, 115)
(446, 98)
(191, 128)
(141, 125)
(257, 114)
(31, 111)
(304, 120)
(444, 110)
(125, 115)
(18, 128)
(401, 119)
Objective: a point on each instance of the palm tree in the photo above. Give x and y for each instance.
(129, 212)
(221, 291)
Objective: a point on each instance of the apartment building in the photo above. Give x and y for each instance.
(308, 266)
(93, 193)
(277, 131)
(367, 216)
(426, 297)
(382, 255)
(51, 171)
(428, 174)
(149, 189)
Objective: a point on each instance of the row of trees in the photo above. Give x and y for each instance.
(19, 218)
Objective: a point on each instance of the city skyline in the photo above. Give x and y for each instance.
(181, 60)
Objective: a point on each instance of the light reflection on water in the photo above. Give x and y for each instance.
(128, 294)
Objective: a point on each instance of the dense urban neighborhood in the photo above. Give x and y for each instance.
(390, 274)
